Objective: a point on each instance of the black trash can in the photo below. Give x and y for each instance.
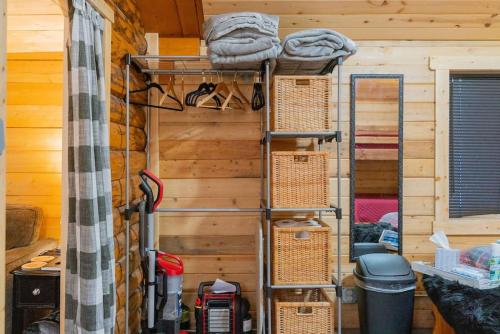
(386, 290)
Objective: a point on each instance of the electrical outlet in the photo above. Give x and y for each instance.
(349, 296)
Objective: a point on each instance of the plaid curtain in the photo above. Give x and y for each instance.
(90, 277)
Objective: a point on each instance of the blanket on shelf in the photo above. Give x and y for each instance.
(313, 51)
(242, 38)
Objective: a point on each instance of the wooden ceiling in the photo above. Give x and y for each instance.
(172, 18)
(379, 19)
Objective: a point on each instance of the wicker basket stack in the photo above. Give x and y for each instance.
(300, 179)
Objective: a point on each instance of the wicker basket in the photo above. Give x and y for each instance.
(302, 255)
(300, 180)
(302, 103)
(294, 315)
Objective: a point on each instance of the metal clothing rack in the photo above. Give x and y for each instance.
(183, 65)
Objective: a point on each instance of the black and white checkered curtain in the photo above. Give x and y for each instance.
(90, 277)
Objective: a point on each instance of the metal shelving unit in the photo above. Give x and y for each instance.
(322, 137)
(200, 66)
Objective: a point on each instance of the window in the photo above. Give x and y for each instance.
(474, 145)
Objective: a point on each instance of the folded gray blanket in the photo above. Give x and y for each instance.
(237, 38)
(317, 45)
(231, 24)
(243, 50)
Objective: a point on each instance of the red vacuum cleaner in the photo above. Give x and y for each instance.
(164, 271)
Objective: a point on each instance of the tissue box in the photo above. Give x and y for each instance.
(447, 258)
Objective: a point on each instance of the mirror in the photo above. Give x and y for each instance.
(376, 158)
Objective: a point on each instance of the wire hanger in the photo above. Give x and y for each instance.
(150, 85)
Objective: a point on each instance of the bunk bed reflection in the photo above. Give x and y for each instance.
(376, 156)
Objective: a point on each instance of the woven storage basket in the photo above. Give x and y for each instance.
(302, 255)
(302, 103)
(295, 316)
(300, 180)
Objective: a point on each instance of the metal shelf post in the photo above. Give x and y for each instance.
(339, 198)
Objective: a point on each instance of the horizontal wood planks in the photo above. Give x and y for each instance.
(34, 26)
(34, 135)
(378, 20)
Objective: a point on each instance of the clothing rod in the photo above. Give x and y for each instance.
(152, 57)
(210, 210)
(197, 72)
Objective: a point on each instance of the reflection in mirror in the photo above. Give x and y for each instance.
(376, 164)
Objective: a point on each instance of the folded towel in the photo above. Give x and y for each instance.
(316, 45)
(232, 24)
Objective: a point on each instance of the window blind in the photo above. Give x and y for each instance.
(474, 145)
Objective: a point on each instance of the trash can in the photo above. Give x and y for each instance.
(386, 288)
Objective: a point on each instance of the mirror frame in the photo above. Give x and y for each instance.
(352, 155)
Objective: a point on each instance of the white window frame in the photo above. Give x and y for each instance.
(443, 66)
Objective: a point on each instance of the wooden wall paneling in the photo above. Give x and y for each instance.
(209, 159)
(3, 67)
(379, 20)
(355, 7)
(34, 133)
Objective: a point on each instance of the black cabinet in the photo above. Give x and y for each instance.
(36, 289)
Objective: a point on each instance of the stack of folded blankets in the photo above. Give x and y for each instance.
(242, 39)
(313, 51)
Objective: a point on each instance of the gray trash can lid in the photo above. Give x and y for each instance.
(380, 268)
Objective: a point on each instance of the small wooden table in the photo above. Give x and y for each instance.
(37, 289)
(440, 325)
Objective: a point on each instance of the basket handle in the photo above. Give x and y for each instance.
(305, 311)
(302, 235)
(300, 158)
(302, 82)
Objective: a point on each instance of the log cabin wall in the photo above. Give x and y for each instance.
(35, 35)
(127, 37)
